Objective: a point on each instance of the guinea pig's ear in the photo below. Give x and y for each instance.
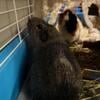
(43, 33)
(39, 27)
(60, 18)
(44, 36)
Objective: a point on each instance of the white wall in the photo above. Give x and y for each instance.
(41, 7)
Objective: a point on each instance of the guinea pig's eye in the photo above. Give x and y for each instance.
(39, 26)
(44, 36)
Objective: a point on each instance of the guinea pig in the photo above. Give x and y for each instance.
(72, 29)
(55, 73)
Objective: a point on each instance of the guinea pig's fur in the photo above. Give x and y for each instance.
(55, 73)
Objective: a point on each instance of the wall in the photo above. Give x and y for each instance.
(41, 7)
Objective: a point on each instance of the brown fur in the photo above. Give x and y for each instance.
(55, 73)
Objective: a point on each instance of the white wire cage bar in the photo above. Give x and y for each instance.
(4, 12)
(17, 20)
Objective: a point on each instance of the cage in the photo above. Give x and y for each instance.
(14, 58)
